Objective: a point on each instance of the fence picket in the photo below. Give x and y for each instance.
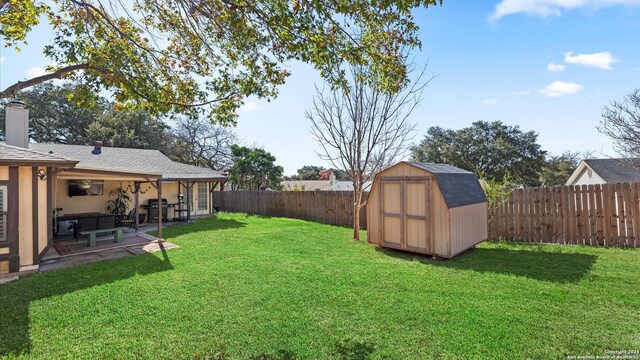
(604, 215)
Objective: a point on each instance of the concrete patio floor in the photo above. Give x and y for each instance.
(78, 253)
(69, 252)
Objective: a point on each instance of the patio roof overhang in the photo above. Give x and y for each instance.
(63, 164)
(195, 178)
(104, 174)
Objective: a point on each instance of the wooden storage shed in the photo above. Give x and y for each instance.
(433, 209)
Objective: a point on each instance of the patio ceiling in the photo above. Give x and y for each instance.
(101, 174)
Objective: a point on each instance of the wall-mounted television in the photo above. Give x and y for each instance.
(86, 187)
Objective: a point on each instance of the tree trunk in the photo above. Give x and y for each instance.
(356, 220)
(357, 198)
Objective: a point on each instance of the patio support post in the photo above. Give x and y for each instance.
(136, 189)
(159, 187)
(189, 197)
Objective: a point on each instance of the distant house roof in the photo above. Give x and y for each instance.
(321, 185)
(305, 185)
(128, 160)
(610, 170)
(17, 155)
(348, 186)
(458, 187)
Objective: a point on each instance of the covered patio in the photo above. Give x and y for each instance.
(68, 253)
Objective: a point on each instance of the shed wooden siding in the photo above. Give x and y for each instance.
(437, 215)
(441, 218)
(450, 230)
(468, 226)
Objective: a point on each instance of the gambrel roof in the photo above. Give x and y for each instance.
(458, 187)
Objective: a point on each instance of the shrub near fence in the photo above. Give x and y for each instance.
(327, 207)
(604, 215)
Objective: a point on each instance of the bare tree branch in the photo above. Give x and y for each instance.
(361, 130)
(621, 122)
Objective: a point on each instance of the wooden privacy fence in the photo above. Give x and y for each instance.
(604, 215)
(327, 207)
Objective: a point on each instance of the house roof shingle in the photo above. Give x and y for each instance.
(616, 170)
(128, 160)
(458, 187)
(17, 154)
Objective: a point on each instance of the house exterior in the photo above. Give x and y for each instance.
(39, 183)
(603, 171)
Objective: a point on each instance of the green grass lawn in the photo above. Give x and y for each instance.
(269, 288)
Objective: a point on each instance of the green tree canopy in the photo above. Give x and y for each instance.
(254, 169)
(489, 149)
(55, 116)
(557, 169)
(310, 172)
(186, 56)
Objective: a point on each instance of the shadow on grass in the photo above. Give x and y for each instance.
(205, 224)
(352, 349)
(534, 264)
(16, 296)
(345, 349)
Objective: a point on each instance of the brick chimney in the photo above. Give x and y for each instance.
(17, 124)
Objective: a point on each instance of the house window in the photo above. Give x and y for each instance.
(202, 196)
(3, 213)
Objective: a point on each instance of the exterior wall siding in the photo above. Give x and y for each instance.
(468, 227)
(585, 179)
(83, 204)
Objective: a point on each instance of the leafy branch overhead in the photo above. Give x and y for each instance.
(191, 56)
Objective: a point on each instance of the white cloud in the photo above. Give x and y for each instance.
(37, 71)
(2, 59)
(601, 60)
(248, 107)
(521, 92)
(546, 8)
(556, 67)
(560, 89)
(490, 102)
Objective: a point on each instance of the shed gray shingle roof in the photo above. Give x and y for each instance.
(458, 187)
(14, 153)
(128, 160)
(616, 170)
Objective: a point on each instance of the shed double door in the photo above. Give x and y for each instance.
(406, 213)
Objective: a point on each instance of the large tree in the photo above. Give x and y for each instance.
(489, 149)
(362, 130)
(201, 143)
(621, 122)
(189, 55)
(56, 116)
(254, 169)
(310, 172)
(557, 169)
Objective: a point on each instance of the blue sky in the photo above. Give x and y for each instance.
(492, 61)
